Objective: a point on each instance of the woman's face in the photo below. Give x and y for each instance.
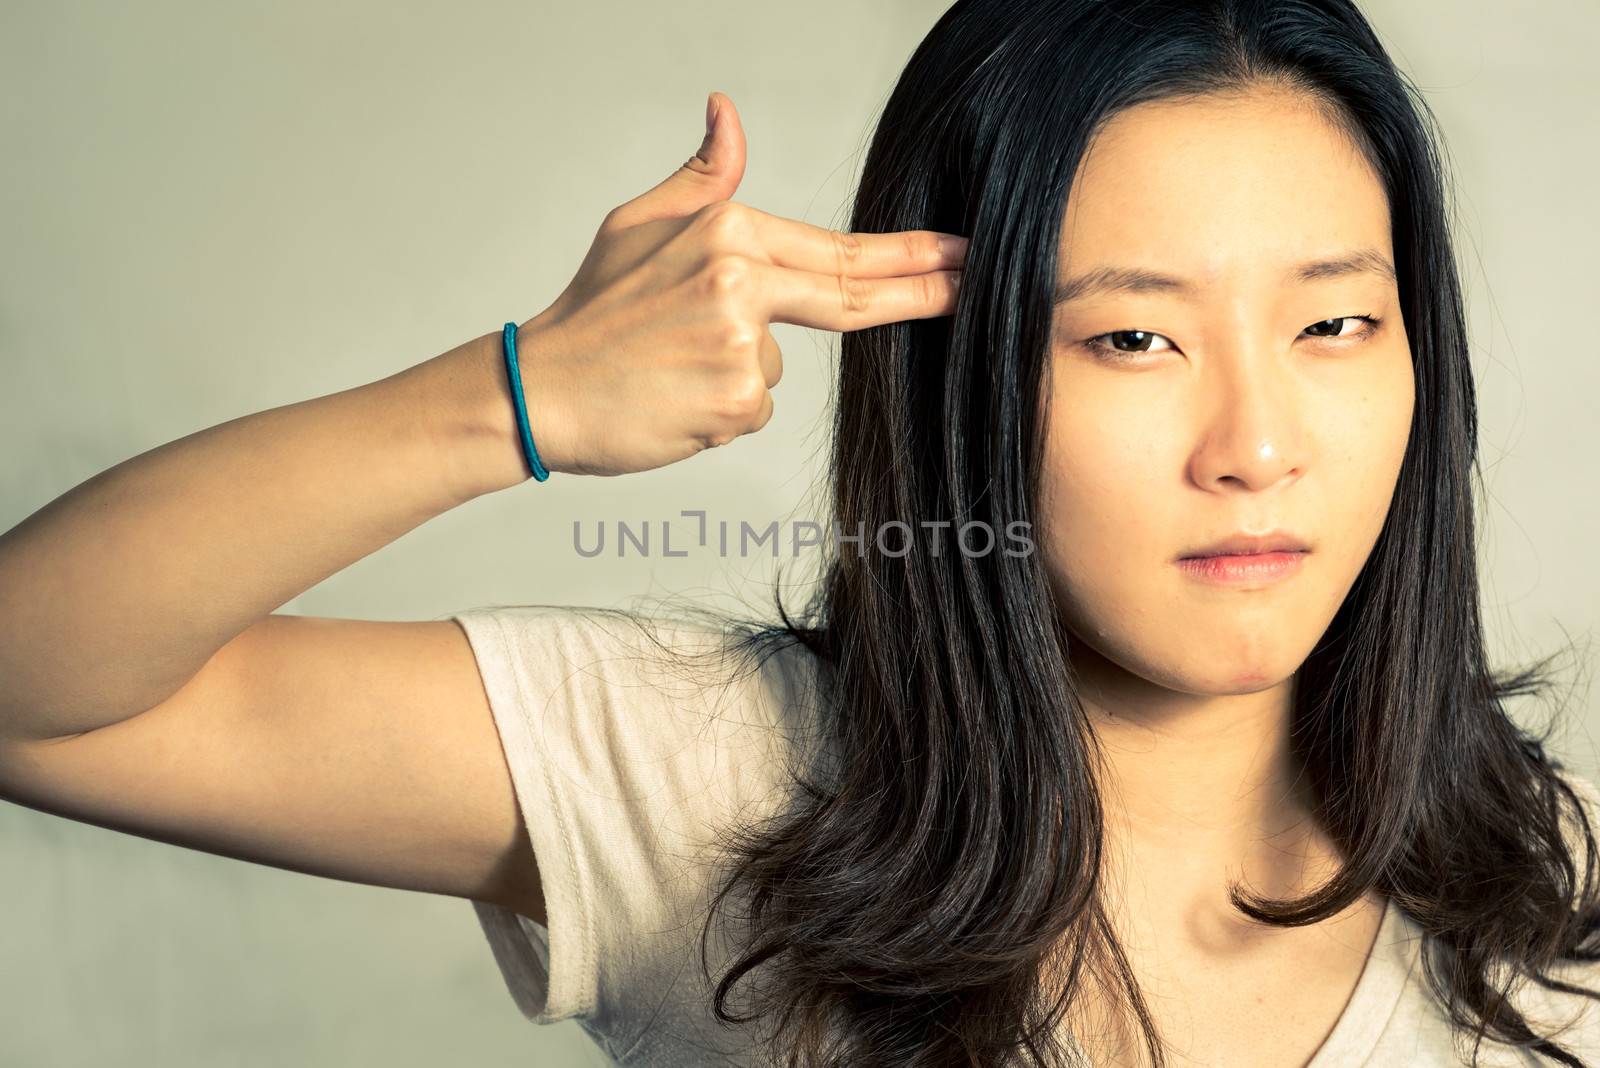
(1212, 377)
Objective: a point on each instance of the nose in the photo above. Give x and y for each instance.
(1251, 438)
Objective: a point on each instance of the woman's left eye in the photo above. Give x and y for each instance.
(1333, 326)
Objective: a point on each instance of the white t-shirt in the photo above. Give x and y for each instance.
(630, 770)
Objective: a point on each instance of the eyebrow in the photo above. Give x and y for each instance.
(1138, 280)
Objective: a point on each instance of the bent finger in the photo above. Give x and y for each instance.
(771, 359)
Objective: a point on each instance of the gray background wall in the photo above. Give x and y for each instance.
(214, 209)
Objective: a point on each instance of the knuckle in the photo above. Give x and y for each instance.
(846, 247)
(921, 247)
(715, 439)
(743, 396)
(726, 224)
(732, 403)
(726, 274)
(736, 336)
(855, 294)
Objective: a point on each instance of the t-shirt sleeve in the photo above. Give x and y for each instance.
(629, 763)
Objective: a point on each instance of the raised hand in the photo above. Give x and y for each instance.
(660, 345)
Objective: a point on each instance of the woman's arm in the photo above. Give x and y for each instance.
(147, 686)
(115, 594)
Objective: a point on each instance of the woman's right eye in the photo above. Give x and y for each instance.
(1123, 345)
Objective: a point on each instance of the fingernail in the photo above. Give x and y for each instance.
(711, 112)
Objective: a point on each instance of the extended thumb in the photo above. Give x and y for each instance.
(713, 106)
(718, 164)
(713, 173)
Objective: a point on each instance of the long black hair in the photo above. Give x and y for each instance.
(909, 907)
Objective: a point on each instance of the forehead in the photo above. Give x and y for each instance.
(1222, 186)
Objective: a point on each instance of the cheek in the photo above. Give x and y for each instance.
(1105, 465)
(1111, 483)
(1362, 454)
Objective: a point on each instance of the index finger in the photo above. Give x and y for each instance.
(804, 247)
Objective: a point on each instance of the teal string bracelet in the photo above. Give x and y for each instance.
(528, 451)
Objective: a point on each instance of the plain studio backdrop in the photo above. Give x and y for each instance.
(214, 209)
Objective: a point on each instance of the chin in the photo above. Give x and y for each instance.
(1213, 683)
(1248, 681)
(1214, 676)
(1250, 670)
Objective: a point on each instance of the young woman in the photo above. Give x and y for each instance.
(1210, 770)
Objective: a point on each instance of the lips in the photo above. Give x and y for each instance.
(1242, 544)
(1253, 569)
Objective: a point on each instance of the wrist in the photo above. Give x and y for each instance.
(468, 414)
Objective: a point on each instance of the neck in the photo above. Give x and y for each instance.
(1200, 790)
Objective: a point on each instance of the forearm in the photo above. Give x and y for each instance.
(116, 593)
